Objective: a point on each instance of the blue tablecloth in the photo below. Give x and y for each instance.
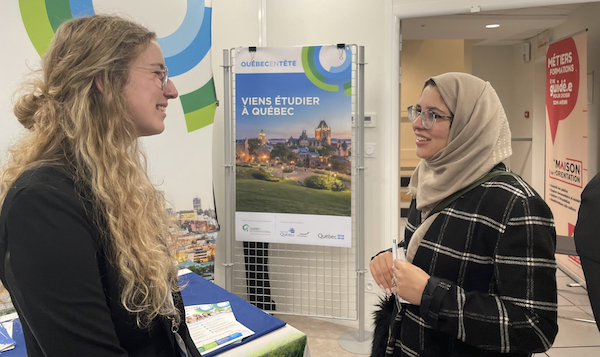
(197, 291)
(19, 350)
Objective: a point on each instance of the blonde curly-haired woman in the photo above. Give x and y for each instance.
(84, 237)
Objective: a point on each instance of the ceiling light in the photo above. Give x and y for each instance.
(492, 26)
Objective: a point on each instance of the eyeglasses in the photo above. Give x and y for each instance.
(428, 117)
(163, 75)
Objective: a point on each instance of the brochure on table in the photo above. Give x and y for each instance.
(199, 291)
(12, 343)
(6, 341)
(213, 326)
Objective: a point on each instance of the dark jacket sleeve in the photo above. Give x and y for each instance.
(588, 221)
(52, 273)
(587, 241)
(522, 316)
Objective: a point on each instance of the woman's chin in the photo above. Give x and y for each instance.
(151, 131)
(423, 155)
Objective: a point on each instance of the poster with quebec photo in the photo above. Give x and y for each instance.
(293, 145)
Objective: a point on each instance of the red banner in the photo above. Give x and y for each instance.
(566, 135)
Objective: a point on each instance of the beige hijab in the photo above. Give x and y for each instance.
(479, 139)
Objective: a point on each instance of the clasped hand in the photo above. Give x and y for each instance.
(409, 279)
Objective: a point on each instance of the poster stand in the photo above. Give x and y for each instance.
(229, 162)
(359, 341)
(355, 341)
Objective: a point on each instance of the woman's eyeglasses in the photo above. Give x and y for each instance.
(428, 117)
(163, 74)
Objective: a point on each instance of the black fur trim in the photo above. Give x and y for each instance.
(383, 319)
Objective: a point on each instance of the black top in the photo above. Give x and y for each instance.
(588, 224)
(492, 285)
(61, 283)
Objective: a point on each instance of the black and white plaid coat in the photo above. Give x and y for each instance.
(492, 291)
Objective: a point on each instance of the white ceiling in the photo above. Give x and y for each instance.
(515, 25)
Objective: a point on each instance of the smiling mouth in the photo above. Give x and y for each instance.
(161, 108)
(420, 138)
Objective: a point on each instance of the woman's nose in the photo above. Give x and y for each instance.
(170, 91)
(418, 123)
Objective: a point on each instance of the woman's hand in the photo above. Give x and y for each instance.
(410, 281)
(381, 269)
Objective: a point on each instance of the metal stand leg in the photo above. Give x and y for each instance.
(590, 321)
(351, 343)
(359, 341)
(577, 319)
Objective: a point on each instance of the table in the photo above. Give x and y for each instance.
(565, 245)
(286, 341)
(271, 335)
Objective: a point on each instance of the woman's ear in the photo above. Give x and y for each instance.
(99, 84)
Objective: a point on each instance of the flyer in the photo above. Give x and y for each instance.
(213, 326)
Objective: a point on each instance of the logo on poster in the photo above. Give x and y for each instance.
(284, 63)
(255, 230)
(330, 236)
(568, 171)
(289, 233)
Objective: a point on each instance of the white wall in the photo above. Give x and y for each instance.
(512, 79)
(235, 24)
(521, 127)
(10, 129)
(494, 64)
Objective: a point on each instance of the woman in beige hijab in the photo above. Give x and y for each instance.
(479, 279)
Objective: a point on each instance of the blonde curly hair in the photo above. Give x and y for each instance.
(71, 123)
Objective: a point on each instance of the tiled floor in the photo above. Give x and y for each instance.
(574, 339)
(322, 335)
